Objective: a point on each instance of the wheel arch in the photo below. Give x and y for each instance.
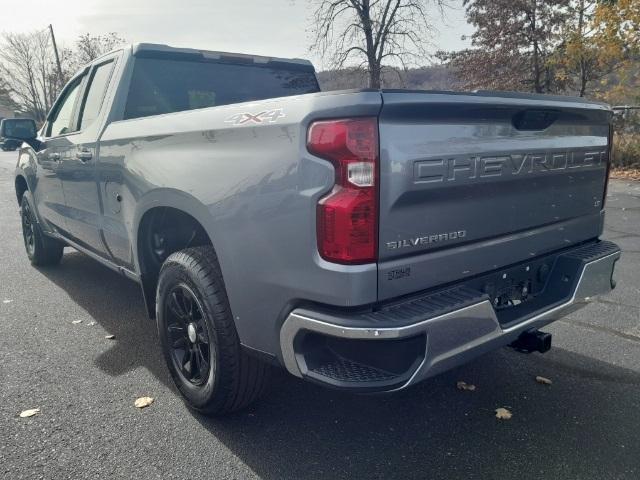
(21, 186)
(25, 174)
(158, 204)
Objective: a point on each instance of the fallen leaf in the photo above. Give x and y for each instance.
(543, 380)
(143, 402)
(91, 324)
(503, 414)
(465, 386)
(29, 413)
(75, 322)
(110, 337)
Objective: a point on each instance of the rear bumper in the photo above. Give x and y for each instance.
(402, 343)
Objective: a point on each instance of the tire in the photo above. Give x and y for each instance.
(41, 249)
(196, 329)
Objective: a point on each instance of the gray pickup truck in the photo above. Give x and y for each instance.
(363, 240)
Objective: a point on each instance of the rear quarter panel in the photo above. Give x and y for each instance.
(253, 187)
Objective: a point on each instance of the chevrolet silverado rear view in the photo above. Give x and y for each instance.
(363, 240)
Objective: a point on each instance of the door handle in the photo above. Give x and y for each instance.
(54, 156)
(84, 155)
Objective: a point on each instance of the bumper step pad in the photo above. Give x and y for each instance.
(345, 370)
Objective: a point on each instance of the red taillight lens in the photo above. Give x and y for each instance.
(347, 218)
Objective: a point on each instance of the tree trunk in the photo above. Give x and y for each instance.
(367, 27)
(583, 79)
(536, 57)
(583, 66)
(374, 75)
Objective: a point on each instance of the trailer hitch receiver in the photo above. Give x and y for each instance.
(533, 341)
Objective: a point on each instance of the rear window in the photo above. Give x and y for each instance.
(167, 85)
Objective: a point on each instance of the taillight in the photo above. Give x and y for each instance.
(347, 218)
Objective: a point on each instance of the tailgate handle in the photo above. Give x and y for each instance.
(535, 119)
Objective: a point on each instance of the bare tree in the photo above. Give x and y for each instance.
(28, 66)
(376, 33)
(512, 44)
(89, 47)
(5, 96)
(26, 63)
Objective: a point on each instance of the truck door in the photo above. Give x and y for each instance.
(55, 137)
(78, 157)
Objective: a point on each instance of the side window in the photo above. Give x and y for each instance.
(95, 95)
(61, 123)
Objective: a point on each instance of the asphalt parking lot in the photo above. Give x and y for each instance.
(586, 425)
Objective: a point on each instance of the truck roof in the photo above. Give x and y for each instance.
(156, 49)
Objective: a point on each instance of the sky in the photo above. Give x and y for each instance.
(263, 27)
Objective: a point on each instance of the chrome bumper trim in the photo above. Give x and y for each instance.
(454, 337)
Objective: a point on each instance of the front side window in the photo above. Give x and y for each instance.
(95, 95)
(61, 124)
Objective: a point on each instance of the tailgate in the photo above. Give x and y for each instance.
(474, 182)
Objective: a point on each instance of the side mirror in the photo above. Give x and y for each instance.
(18, 128)
(14, 131)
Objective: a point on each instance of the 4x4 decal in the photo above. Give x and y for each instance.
(266, 116)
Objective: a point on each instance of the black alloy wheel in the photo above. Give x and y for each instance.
(28, 229)
(41, 249)
(199, 341)
(187, 335)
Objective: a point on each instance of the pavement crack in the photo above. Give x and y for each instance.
(617, 304)
(599, 328)
(621, 232)
(623, 209)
